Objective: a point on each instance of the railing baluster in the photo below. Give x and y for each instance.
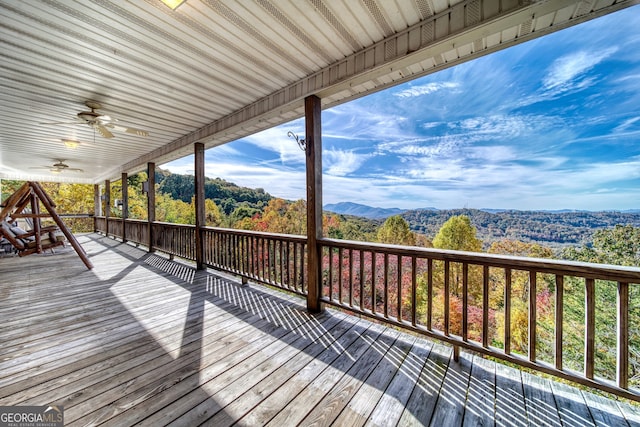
(485, 306)
(361, 260)
(373, 281)
(507, 310)
(351, 277)
(303, 267)
(414, 285)
(465, 301)
(533, 293)
(330, 272)
(559, 320)
(386, 285)
(295, 265)
(622, 374)
(446, 297)
(590, 327)
(429, 292)
(399, 296)
(281, 262)
(340, 284)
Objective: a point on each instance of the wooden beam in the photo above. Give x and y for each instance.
(199, 203)
(46, 202)
(313, 139)
(14, 200)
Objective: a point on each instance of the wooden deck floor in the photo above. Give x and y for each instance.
(144, 340)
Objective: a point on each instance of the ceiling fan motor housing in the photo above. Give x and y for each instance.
(89, 116)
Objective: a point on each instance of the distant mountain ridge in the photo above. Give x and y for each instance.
(556, 228)
(551, 228)
(355, 209)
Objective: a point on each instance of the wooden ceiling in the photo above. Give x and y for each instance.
(214, 71)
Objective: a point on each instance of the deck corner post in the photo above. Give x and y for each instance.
(97, 207)
(313, 151)
(199, 204)
(107, 205)
(125, 205)
(151, 201)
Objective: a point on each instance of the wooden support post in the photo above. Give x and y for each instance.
(97, 207)
(313, 140)
(151, 201)
(35, 210)
(125, 205)
(199, 203)
(107, 206)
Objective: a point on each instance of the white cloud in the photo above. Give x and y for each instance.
(567, 72)
(626, 124)
(276, 140)
(341, 162)
(426, 89)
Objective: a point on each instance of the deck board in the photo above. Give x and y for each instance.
(144, 340)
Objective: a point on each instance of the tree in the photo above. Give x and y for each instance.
(395, 231)
(458, 234)
(619, 245)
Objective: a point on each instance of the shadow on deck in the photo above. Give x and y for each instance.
(145, 340)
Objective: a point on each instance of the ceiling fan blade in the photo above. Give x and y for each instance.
(103, 131)
(75, 170)
(62, 123)
(134, 131)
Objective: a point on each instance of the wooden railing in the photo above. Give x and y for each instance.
(100, 224)
(137, 231)
(471, 300)
(174, 239)
(542, 314)
(275, 259)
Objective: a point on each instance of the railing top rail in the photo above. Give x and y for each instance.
(174, 225)
(542, 265)
(278, 236)
(135, 220)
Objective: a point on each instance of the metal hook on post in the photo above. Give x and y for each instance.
(301, 142)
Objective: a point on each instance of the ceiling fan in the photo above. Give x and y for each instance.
(58, 167)
(101, 123)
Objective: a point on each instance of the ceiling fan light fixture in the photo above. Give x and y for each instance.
(70, 143)
(55, 170)
(173, 4)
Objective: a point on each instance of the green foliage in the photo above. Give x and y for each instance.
(553, 229)
(457, 233)
(226, 195)
(619, 245)
(395, 231)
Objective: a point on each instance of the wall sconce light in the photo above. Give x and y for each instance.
(301, 142)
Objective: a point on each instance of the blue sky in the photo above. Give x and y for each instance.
(553, 123)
